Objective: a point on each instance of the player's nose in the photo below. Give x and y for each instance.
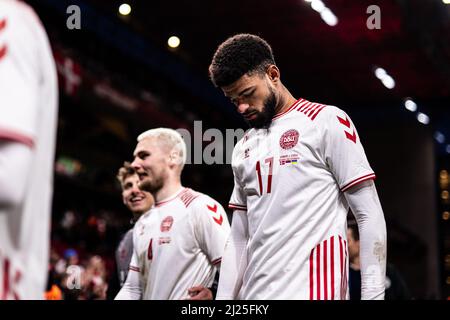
(135, 189)
(242, 107)
(136, 164)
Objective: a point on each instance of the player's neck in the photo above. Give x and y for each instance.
(170, 188)
(286, 101)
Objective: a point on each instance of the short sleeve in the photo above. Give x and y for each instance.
(19, 74)
(342, 149)
(211, 227)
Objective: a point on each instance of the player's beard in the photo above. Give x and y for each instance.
(264, 117)
(154, 185)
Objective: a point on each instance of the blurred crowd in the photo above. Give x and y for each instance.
(82, 255)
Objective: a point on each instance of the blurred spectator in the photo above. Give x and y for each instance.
(93, 282)
(53, 291)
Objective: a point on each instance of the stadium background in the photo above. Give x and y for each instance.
(118, 77)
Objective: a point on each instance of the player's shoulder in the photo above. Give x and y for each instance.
(202, 200)
(21, 27)
(321, 114)
(310, 111)
(14, 10)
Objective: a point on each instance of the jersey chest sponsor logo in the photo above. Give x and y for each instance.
(289, 139)
(166, 224)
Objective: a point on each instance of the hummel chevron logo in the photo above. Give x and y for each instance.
(346, 123)
(2, 48)
(214, 209)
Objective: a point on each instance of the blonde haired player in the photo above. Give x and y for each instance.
(28, 117)
(178, 244)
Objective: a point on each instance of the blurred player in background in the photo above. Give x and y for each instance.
(178, 244)
(138, 202)
(28, 122)
(297, 170)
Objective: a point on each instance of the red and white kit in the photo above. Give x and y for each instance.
(290, 181)
(28, 117)
(177, 245)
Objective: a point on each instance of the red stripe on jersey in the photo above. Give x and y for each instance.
(188, 196)
(312, 105)
(345, 271)
(292, 107)
(3, 51)
(5, 280)
(17, 137)
(310, 111)
(150, 250)
(332, 266)
(306, 105)
(325, 278)
(237, 207)
(311, 275)
(317, 112)
(341, 257)
(302, 104)
(2, 24)
(358, 180)
(3, 48)
(318, 271)
(216, 261)
(136, 269)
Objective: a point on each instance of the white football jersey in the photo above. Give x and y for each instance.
(28, 115)
(177, 245)
(290, 179)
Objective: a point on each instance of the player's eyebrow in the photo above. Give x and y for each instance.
(140, 153)
(246, 90)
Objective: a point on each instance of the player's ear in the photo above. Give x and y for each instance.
(273, 73)
(174, 158)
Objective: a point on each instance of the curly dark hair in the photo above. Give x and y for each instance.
(239, 55)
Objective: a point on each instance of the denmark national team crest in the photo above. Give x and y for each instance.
(289, 139)
(166, 224)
